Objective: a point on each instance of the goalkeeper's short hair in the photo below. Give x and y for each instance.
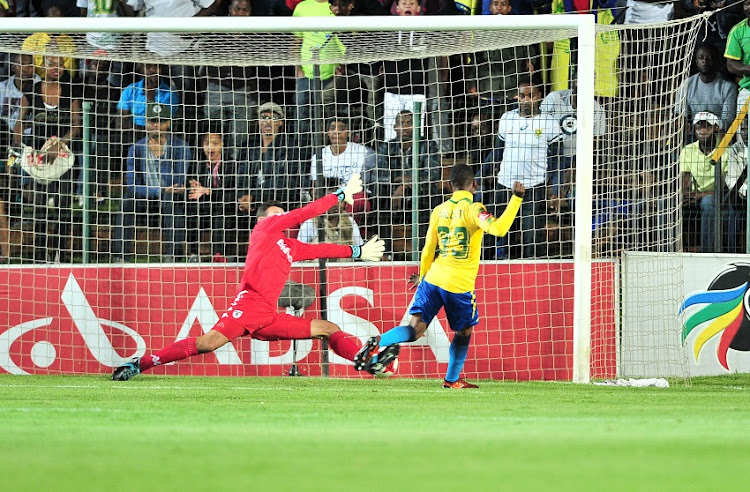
(266, 205)
(461, 176)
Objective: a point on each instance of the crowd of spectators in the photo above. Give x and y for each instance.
(194, 150)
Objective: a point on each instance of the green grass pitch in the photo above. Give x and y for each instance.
(156, 433)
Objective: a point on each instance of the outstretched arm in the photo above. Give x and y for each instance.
(306, 251)
(294, 217)
(501, 225)
(297, 216)
(372, 250)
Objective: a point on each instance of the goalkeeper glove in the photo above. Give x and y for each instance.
(372, 250)
(353, 186)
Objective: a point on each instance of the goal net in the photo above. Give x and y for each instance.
(137, 159)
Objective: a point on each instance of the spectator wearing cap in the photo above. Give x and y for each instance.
(155, 179)
(273, 170)
(698, 175)
(136, 97)
(706, 91)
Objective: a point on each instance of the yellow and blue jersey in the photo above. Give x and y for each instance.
(453, 246)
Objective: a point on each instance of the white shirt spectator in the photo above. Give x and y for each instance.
(526, 143)
(558, 104)
(308, 231)
(644, 12)
(169, 43)
(342, 166)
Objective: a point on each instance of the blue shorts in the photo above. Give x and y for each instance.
(460, 309)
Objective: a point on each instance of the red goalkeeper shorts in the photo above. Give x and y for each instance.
(250, 315)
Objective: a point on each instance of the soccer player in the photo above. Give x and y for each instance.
(446, 277)
(254, 311)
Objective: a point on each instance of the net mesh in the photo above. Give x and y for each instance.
(243, 118)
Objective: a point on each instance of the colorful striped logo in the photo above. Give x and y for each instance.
(723, 310)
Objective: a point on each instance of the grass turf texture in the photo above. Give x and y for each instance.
(189, 433)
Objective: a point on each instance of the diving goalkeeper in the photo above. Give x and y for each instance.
(254, 310)
(446, 276)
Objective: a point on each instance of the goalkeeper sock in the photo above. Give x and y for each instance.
(344, 344)
(398, 334)
(457, 351)
(177, 351)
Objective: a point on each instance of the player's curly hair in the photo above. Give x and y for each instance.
(461, 176)
(263, 208)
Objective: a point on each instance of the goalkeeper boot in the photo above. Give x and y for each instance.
(378, 365)
(458, 384)
(365, 354)
(127, 370)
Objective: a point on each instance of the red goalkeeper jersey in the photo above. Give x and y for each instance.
(270, 253)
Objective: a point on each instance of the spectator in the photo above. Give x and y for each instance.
(738, 55)
(736, 181)
(228, 91)
(723, 16)
(155, 178)
(212, 196)
(136, 97)
(525, 135)
(103, 97)
(418, 7)
(706, 91)
(167, 44)
(342, 158)
(493, 75)
(240, 8)
(55, 106)
(51, 128)
(390, 182)
(58, 44)
(273, 164)
(562, 106)
(698, 175)
(12, 99)
(648, 11)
